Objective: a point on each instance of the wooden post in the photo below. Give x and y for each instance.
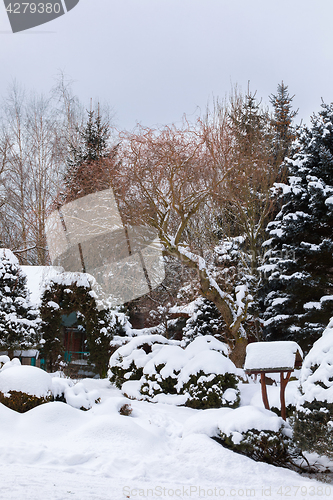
(283, 384)
(264, 390)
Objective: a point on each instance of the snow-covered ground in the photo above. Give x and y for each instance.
(163, 451)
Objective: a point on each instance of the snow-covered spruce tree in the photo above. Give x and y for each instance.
(205, 320)
(19, 322)
(313, 428)
(298, 296)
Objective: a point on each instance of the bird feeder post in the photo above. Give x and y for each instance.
(283, 384)
(264, 390)
(273, 357)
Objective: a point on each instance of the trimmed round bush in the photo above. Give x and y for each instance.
(212, 391)
(127, 362)
(24, 387)
(21, 402)
(201, 372)
(160, 374)
(209, 379)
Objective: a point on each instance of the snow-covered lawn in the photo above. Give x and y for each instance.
(56, 451)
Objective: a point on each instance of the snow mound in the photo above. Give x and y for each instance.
(28, 379)
(206, 422)
(10, 363)
(3, 360)
(76, 395)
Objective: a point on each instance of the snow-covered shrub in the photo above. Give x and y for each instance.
(209, 378)
(160, 374)
(212, 391)
(313, 428)
(21, 401)
(126, 410)
(201, 374)
(24, 387)
(258, 434)
(128, 361)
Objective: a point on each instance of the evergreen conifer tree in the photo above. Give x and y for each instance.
(72, 293)
(314, 411)
(284, 131)
(19, 323)
(206, 320)
(299, 291)
(86, 164)
(251, 128)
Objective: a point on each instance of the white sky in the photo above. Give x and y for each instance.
(154, 60)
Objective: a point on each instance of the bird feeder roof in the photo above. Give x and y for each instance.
(273, 356)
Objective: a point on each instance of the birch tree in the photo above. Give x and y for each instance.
(32, 167)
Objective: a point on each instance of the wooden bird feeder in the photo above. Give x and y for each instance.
(273, 357)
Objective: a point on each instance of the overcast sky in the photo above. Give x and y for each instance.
(154, 60)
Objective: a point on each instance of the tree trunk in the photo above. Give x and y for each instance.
(221, 303)
(239, 352)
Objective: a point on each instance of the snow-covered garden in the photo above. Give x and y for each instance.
(218, 237)
(142, 436)
(145, 449)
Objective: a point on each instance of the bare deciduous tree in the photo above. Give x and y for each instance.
(32, 168)
(168, 178)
